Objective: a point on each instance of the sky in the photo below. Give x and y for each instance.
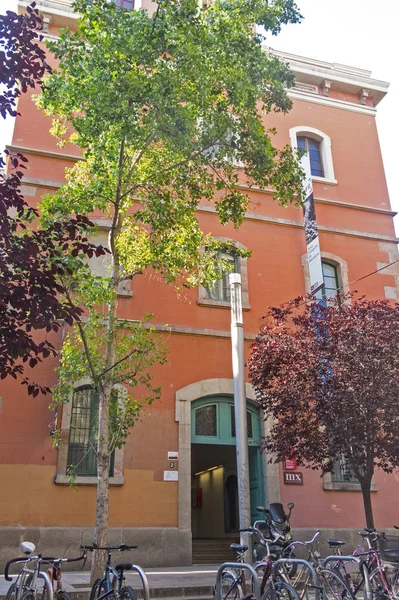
(358, 33)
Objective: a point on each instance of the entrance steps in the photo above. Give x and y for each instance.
(208, 551)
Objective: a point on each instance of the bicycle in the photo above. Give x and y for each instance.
(55, 575)
(272, 585)
(24, 588)
(380, 558)
(111, 584)
(332, 585)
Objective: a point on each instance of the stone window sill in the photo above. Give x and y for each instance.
(346, 487)
(219, 304)
(324, 180)
(118, 480)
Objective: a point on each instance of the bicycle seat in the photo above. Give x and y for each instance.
(28, 547)
(335, 543)
(123, 567)
(238, 548)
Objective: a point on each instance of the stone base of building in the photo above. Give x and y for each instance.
(156, 546)
(351, 538)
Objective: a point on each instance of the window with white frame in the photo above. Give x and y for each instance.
(318, 147)
(331, 288)
(220, 290)
(218, 294)
(128, 4)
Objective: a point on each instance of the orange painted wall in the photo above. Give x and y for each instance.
(275, 275)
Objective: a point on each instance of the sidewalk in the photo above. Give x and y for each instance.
(193, 582)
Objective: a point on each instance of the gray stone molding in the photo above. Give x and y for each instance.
(243, 261)
(60, 475)
(391, 292)
(337, 261)
(184, 397)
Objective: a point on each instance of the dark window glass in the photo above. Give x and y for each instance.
(313, 148)
(331, 285)
(220, 290)
(249, 423)
(82, 445)
(342, 472)
(205, 420)
(129, 4)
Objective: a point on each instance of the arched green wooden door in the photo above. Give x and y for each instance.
(213, 423)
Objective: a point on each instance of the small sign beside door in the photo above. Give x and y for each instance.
(290, 464)
(292, 478)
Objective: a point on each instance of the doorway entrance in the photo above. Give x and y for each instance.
(214, 491)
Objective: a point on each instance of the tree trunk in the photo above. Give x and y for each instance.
(368, 508)
(103, 457)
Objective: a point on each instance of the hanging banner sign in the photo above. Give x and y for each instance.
(311, 234)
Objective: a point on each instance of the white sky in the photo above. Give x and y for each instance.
(359, 33)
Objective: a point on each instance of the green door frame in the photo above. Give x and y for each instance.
(222, 434)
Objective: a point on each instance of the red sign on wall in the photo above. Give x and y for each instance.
(290, 464)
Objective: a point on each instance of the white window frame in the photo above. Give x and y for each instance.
(325, 150)
(203, 300)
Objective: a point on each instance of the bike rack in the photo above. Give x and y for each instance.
(239, 566)
(47, 583)
(144, 581)
(309, 567)
(361, 565)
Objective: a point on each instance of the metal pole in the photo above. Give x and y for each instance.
(240, 410)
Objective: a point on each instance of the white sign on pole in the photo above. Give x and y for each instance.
(311, 233)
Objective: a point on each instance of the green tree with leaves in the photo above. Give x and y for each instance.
(169, 110)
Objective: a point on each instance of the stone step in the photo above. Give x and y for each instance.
(212, 550)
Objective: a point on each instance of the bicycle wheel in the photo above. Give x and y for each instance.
(260, 571)
(230, 589)
(29, 595)
(61, 596)
(98, 589)
(291, 568)
(334, 587)
(127, 593)
(277, 589)
(379, 582)
(10, 595)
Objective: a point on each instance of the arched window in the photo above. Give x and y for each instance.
(220, 290)
(129, 4)
(331, 286)
(218, 294)
(82, 446)
(318, 146)
(313, 149)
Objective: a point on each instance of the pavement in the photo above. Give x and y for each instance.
(195, 582)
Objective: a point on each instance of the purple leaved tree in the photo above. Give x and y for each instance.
(329, 378)
(31, 260)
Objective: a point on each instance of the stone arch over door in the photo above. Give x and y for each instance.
(184, 397)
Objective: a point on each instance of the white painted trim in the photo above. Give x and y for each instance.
(340, 104)
(325, 149)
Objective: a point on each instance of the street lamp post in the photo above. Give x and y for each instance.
(240, 410)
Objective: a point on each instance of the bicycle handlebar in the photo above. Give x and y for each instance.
(23, 559)
(121, 548)
(53, 559)
(253, 530)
